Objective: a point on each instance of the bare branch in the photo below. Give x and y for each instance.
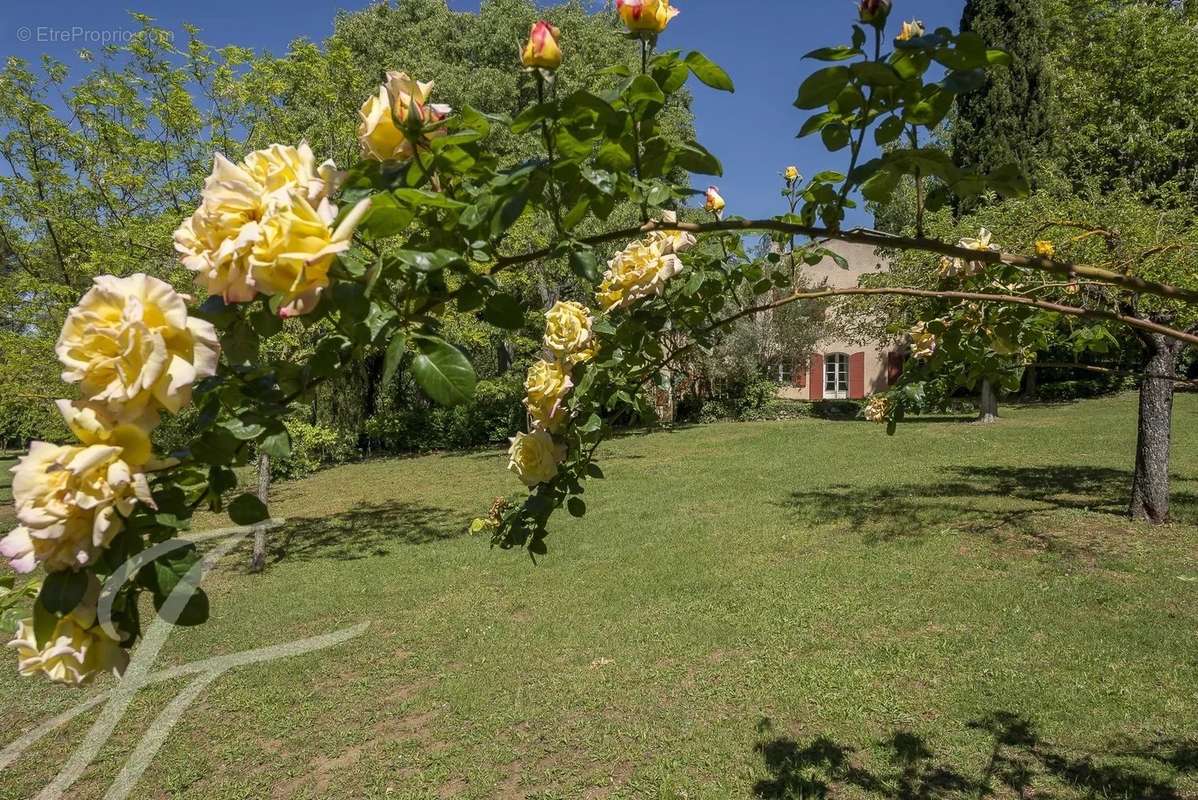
(877, 239)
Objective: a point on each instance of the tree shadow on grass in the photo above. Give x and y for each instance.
(1020, 763)
(979, 500)
(365, 531)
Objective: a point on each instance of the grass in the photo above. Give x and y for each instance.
(774, 610)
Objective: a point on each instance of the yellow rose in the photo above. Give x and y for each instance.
(545, 391)
(76, 651)
(381, 139)
(1045, 249)
(69, 502)
(911, 30)
(295, 250)
(878, 408)
(959, 267)
(640, 271)
(568, 333)
(791, 174)
(92, 423)
(646, 16)
(672, 241)
(534, 457)
(542, 50)
(280, 168)
(923, 341)
(130, 345)
(216, 240)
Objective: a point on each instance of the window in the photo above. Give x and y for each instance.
(784, 373)
(836, 376)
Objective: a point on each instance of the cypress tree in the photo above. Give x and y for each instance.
(1007, 120)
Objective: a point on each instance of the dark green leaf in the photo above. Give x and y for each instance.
(395, 353)
(504, 311)
(576, 506)
(62, 592)
(822, 87)
(442, 371)
(841, 53)
(247, 509)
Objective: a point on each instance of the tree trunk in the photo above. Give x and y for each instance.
(988, 403)
(1150, 484)
(258, 560)
(1029, 383)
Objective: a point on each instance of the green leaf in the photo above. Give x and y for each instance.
(62, 592)
(835, 136)
(44, 623)
(385, 217)
(998, 58)
(576, 506)
(644, 95)
(265, 323)
(442, 371)
(584, 264)
(890, 129)
(693, 157)
(276, 444)
(423, 197)
(613, 156)
(709, 72)
(822, 87)
(424, 261)
(504, 311)
(876, 73)
(817, 122)
(395, 352)
(247, 509)
(533, 116)
(841, 53)
(594, 471)
(194, 612)
(351, 300)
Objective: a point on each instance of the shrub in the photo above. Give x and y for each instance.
(492, 414)
(312, 447)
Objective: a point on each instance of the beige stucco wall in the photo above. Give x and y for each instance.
(862, 260)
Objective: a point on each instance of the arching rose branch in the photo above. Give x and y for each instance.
(373, 257)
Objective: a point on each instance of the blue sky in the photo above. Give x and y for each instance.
(759, 42)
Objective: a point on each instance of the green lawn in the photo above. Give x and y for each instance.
(776, 610)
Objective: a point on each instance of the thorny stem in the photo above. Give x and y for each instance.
(545, 132)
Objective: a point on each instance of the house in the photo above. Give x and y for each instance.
(840, 369)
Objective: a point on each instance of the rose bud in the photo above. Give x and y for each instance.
(874, 12)
(542, 50)
(791, 174)
(646, 16)
(715, 203)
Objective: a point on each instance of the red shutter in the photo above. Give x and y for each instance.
(894, 368)
(817, 377)
(857, 376)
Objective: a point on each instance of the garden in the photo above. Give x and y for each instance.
(401, 416)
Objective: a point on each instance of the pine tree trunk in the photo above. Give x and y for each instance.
(1150, 484)
(258, 560)
(988, 403)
